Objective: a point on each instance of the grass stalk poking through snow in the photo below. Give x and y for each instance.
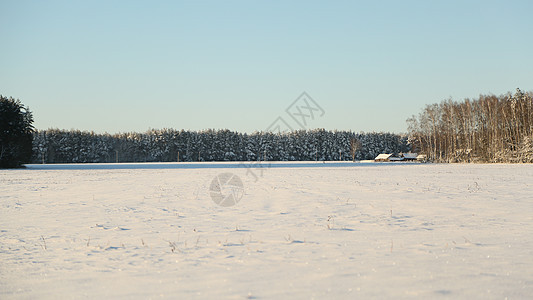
(43, 244)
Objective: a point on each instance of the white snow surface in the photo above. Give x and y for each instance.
(302, 231)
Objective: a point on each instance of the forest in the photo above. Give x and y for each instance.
(493, 129)
(170, 145)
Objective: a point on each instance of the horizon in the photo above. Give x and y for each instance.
(219, 129)
(131, 66)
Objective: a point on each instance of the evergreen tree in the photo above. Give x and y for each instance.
(15, 133)
(59, 146)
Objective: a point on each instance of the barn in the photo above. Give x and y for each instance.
(383, 157)
(409, 156)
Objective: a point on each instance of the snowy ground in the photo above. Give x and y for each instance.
(300, 231)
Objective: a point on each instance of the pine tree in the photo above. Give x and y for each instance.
(16, 133)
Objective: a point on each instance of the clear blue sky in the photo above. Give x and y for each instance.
(115, 66)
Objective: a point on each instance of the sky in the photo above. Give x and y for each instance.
(122, 66)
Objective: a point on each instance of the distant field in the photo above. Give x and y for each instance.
(334, 230)
(202, 165)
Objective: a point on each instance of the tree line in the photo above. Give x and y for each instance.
(487, 129)
(170, 145)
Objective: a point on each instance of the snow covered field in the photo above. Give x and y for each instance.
(326, 230)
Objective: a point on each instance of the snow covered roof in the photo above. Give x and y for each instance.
(383, 156)
(410, 155)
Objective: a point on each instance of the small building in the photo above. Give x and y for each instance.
(383, 157)
(422, 158)
(409, 156)
(394, 158)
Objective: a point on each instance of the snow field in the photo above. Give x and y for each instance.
(359, 230)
